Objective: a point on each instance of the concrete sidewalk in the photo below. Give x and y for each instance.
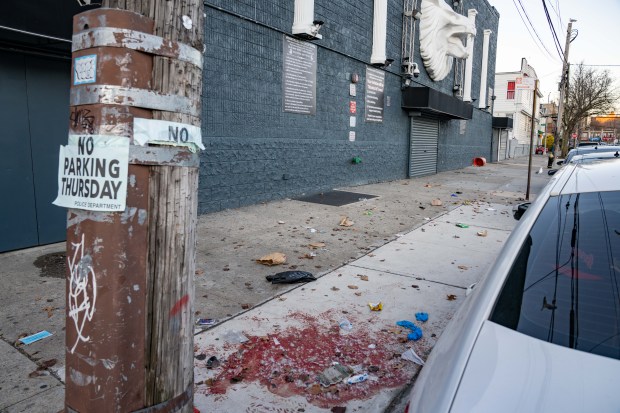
(295, 337)
(231, 287)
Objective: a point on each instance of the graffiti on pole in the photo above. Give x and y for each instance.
(82, 291)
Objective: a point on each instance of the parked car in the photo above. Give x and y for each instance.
(585, 144)
(587, 149)
(540, 150)
(540, 332)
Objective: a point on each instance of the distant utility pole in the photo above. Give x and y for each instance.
(563, 90)
(129, 176)
(533, 129)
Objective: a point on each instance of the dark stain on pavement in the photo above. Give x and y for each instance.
(52, 265)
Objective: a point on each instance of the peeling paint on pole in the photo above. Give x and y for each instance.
(129, 284)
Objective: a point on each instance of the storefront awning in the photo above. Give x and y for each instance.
(502, 122)
(433, 102)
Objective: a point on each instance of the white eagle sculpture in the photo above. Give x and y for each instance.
(442, 32)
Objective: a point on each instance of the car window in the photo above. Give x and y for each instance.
(564, 286)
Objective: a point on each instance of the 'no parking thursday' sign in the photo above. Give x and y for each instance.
(92, 173)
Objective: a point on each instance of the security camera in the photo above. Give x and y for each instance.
(416, 70)
(316, 26)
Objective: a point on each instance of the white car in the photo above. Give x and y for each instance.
(541, 331)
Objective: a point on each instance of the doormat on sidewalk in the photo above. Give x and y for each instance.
(336, 198)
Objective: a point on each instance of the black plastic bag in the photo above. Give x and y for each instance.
(290, 277)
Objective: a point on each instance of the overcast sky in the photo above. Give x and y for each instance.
(597, 43)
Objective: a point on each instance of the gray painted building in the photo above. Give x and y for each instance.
(257, 152)
(255, 149)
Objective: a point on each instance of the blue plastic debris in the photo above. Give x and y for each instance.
(35, 337)
(423, 317)
(416, 332)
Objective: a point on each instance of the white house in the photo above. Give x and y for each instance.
(515, 103)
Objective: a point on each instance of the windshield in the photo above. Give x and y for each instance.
(564, 286)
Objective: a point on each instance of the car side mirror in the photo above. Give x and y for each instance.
(559, 162)
(520, 210)
(552, 172)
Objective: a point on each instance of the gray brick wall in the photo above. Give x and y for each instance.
(255, 152)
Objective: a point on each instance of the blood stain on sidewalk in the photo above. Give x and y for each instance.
(288, 362)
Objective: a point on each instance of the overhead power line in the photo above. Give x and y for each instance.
(554, 35)
(538, 43)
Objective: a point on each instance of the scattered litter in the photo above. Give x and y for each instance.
(416, 332)
(309, 256)
(315, 389)
(316, 245)
(206, 322)
(458, 192)
(345, 222)
(275, 258)
(276, 341)
(199, 271)
(345, 325)
(234, 336)
(376, 306)
(49, 310)
(436, 202)
(35, 337)
(428, 186)
(462, 225)
(335, 289)
(282, 298)
(281, 222)
(451, 297)
(491, 209)
(311, 230)
(245, 306)
(454, 195)
(482, 233)
(426, 219)
(423, 317)
(358, 378)
(372, 346)
(213, 363)
(463, 267)
(358, 294)
(363, 277)
(412, 356)
(369, 213)
(373, 369)
(540, 170)
(470, 289)
(201, 357)
(289, 277)
(353, 287)
(334, 374)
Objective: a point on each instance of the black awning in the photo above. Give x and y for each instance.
(502, 122)
(431, 101)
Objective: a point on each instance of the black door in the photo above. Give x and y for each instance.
(34, 106)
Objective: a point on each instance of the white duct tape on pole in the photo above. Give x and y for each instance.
(142, 98)
(135, 40)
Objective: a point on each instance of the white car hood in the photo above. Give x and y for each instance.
(511, 372)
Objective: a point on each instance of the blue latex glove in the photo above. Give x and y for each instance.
(423, 317)
(416, 332)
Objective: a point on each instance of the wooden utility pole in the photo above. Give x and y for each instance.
(136, 87)
(563, 90)
(529, 163)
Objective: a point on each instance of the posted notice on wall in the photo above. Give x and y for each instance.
(298, 76)
(92, 173)
(375, 95)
